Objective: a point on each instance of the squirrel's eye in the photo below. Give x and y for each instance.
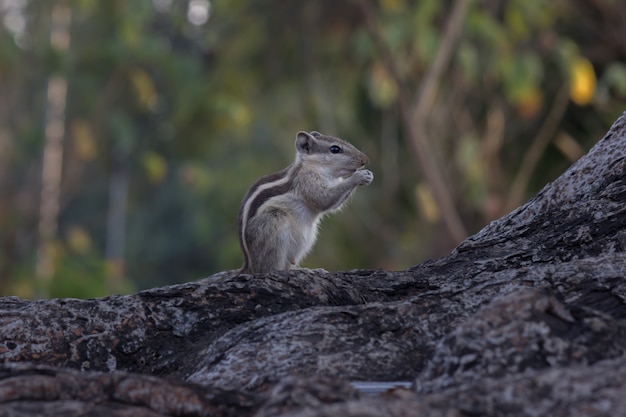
(335, 149)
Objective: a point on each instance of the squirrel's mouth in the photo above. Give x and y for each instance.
(348, 172)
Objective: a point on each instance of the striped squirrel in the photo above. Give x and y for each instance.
(279, 214)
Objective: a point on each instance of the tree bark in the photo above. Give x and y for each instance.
(524, 318)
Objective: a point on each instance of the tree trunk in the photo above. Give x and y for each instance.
(52, 163)
(525, 318)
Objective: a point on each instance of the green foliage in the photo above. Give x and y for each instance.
(189, 116)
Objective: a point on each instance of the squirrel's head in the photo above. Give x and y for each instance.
(329, 154)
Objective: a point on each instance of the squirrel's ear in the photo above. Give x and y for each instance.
(316, 134)
(304, 142)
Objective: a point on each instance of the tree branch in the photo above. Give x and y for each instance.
(536, 150)
(414, 117)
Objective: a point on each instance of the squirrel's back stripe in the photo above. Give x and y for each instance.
(261, 191)
(265, 188)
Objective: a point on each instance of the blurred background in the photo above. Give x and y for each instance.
(130, 130)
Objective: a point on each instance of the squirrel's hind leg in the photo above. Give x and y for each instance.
(269, 240)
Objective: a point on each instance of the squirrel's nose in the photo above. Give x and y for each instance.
(364, 160)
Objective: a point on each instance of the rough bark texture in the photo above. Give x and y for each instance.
(526, 318)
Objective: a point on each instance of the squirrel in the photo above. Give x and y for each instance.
(280, 213)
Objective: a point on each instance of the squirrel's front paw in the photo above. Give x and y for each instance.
(364, 176)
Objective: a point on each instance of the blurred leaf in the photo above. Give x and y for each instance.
(582, 81)
(393, 6)
(196, 176)
(529, 103)
(131, 35)
(516, 21)
(382, 88)
(468, 60)
(468, 158)
(426, 44)
(615, 77)
(144, 88)
(487, 29)
(86, 6)
(240, 115)
(426, 203)
(81, 276)
(363, 47)
(83, 140)
(522, 75)
(155, 166)
(78, 240)
(123, 132)
(425, 12)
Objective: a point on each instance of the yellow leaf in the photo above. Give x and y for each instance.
(529, 104)
(582, 81)
(144, 88)
(382, 87)
(155, 166)
(426, 203)
(83, 140)
(241, 115)
(78, 239)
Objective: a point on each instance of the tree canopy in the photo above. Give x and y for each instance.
(164, 112)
